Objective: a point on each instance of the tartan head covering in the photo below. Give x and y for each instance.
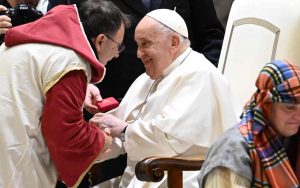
(278, 81)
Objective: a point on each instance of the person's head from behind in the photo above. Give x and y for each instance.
(14, 3)
(161, 37)
(278, 97)
(104, 25)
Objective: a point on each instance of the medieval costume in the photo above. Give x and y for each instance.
(45, 68)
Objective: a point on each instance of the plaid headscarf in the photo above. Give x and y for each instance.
(278, 81)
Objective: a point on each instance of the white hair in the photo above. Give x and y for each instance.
(168, 32)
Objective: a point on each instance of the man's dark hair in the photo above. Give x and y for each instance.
(100, 16)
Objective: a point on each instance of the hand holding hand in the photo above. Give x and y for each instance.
(114, 124)
(5, 21)
(108, 142)
(91, 98)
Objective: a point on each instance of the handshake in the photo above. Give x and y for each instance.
(104, 121)
(111, 125)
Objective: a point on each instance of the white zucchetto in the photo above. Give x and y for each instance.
(171, 19)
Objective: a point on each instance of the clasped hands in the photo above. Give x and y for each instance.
(102, 120)
(111, 125)
(108, 121)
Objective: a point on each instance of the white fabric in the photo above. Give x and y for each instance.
(190, 108)
(42, 6)
(258, 32)
(171, 19)
(223, 177)
(24, 159)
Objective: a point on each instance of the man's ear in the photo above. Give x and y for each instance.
(175, 42)
(98, 41)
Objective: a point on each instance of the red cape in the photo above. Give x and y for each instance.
(60, 26)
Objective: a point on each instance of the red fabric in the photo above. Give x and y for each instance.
(61, 27)
(73, 143)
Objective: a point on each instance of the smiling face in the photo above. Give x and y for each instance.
(155, 47)
(285, 118)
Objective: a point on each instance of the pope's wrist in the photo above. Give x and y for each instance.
(122, 135)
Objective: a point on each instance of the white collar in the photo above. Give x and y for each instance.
(180, 59)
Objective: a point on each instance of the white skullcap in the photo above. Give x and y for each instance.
(171, 19)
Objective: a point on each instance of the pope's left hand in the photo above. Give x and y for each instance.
(115, 125)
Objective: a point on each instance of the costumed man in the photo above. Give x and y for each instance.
(263, 149)
(45, 67)
(177, 108)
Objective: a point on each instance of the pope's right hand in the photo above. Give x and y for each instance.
(5, 21)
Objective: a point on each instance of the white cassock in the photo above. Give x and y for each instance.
(184, 113)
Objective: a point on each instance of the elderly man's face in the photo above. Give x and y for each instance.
(154, 47)
(285, 118)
